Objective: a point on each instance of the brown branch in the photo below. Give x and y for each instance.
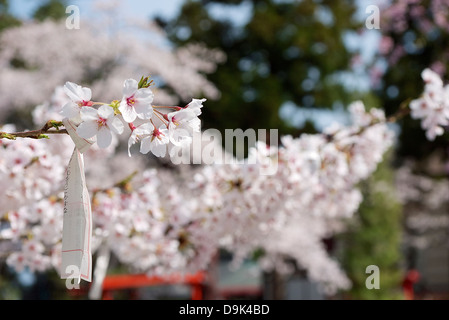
(403, 111)
(51, 127)
(124, 184)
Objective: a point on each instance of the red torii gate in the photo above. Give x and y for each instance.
(196, 281)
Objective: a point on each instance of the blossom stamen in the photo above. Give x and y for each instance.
(85, 103)
(157, 134)
(101, 122)
(130, 101)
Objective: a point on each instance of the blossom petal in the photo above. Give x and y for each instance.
(145, 145)
(185, 115)
(89, 114)
(178, 135)
(181, 116)
(105, 111)
(131, 141)
(104, 137)
(195, 124)
(195, 105)
(128, 112)
(145, 95)
(73, 91)
(87, 129)
(145, 128)
(129, 87)
(70, 110)
(158, 148)
(164, 134)
(430, 76)
(87, 94)
(143, 110)
(116, 125)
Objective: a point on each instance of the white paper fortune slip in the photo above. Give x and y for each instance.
(77, 222)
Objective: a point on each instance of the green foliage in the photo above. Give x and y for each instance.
(6, 19)
(423, 47)
(49, 9)
(293, 51)
(287, 51)
(52, 9)
(374, 238)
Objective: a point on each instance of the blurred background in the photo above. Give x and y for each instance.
(288, 65)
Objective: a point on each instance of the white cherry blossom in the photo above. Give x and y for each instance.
(100, 123)
(182, 125)
(156, 142)
(195, 105)
(80, 97)
(138, 133)
(433, 106)
(166, 221)
(136, 102)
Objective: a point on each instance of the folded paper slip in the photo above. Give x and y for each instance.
(77, 223)
(76, 257)
(81, 144)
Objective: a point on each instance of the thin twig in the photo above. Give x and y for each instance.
(123, 184)
(50, 127)
(403, 111)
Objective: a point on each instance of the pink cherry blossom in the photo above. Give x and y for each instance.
(433, 106)
(165, 221)
(182, 125)
(136, 102)
(156, 142)
(182, 70)
(99, 123)
(138, 133)
(195, 105)
(80, 97)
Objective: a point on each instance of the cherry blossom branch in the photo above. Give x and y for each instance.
(159, 114)
(403, 111)
(124, 184)
(36, 134)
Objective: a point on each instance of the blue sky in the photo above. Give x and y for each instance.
(139, 8)
(144, 9)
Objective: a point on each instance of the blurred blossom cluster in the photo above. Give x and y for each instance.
(433, 105)
(159, 129)
(425, 18)
(164, 221)
(99, 59)
(425, 200)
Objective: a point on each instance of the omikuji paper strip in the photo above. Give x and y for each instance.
(77, 221)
